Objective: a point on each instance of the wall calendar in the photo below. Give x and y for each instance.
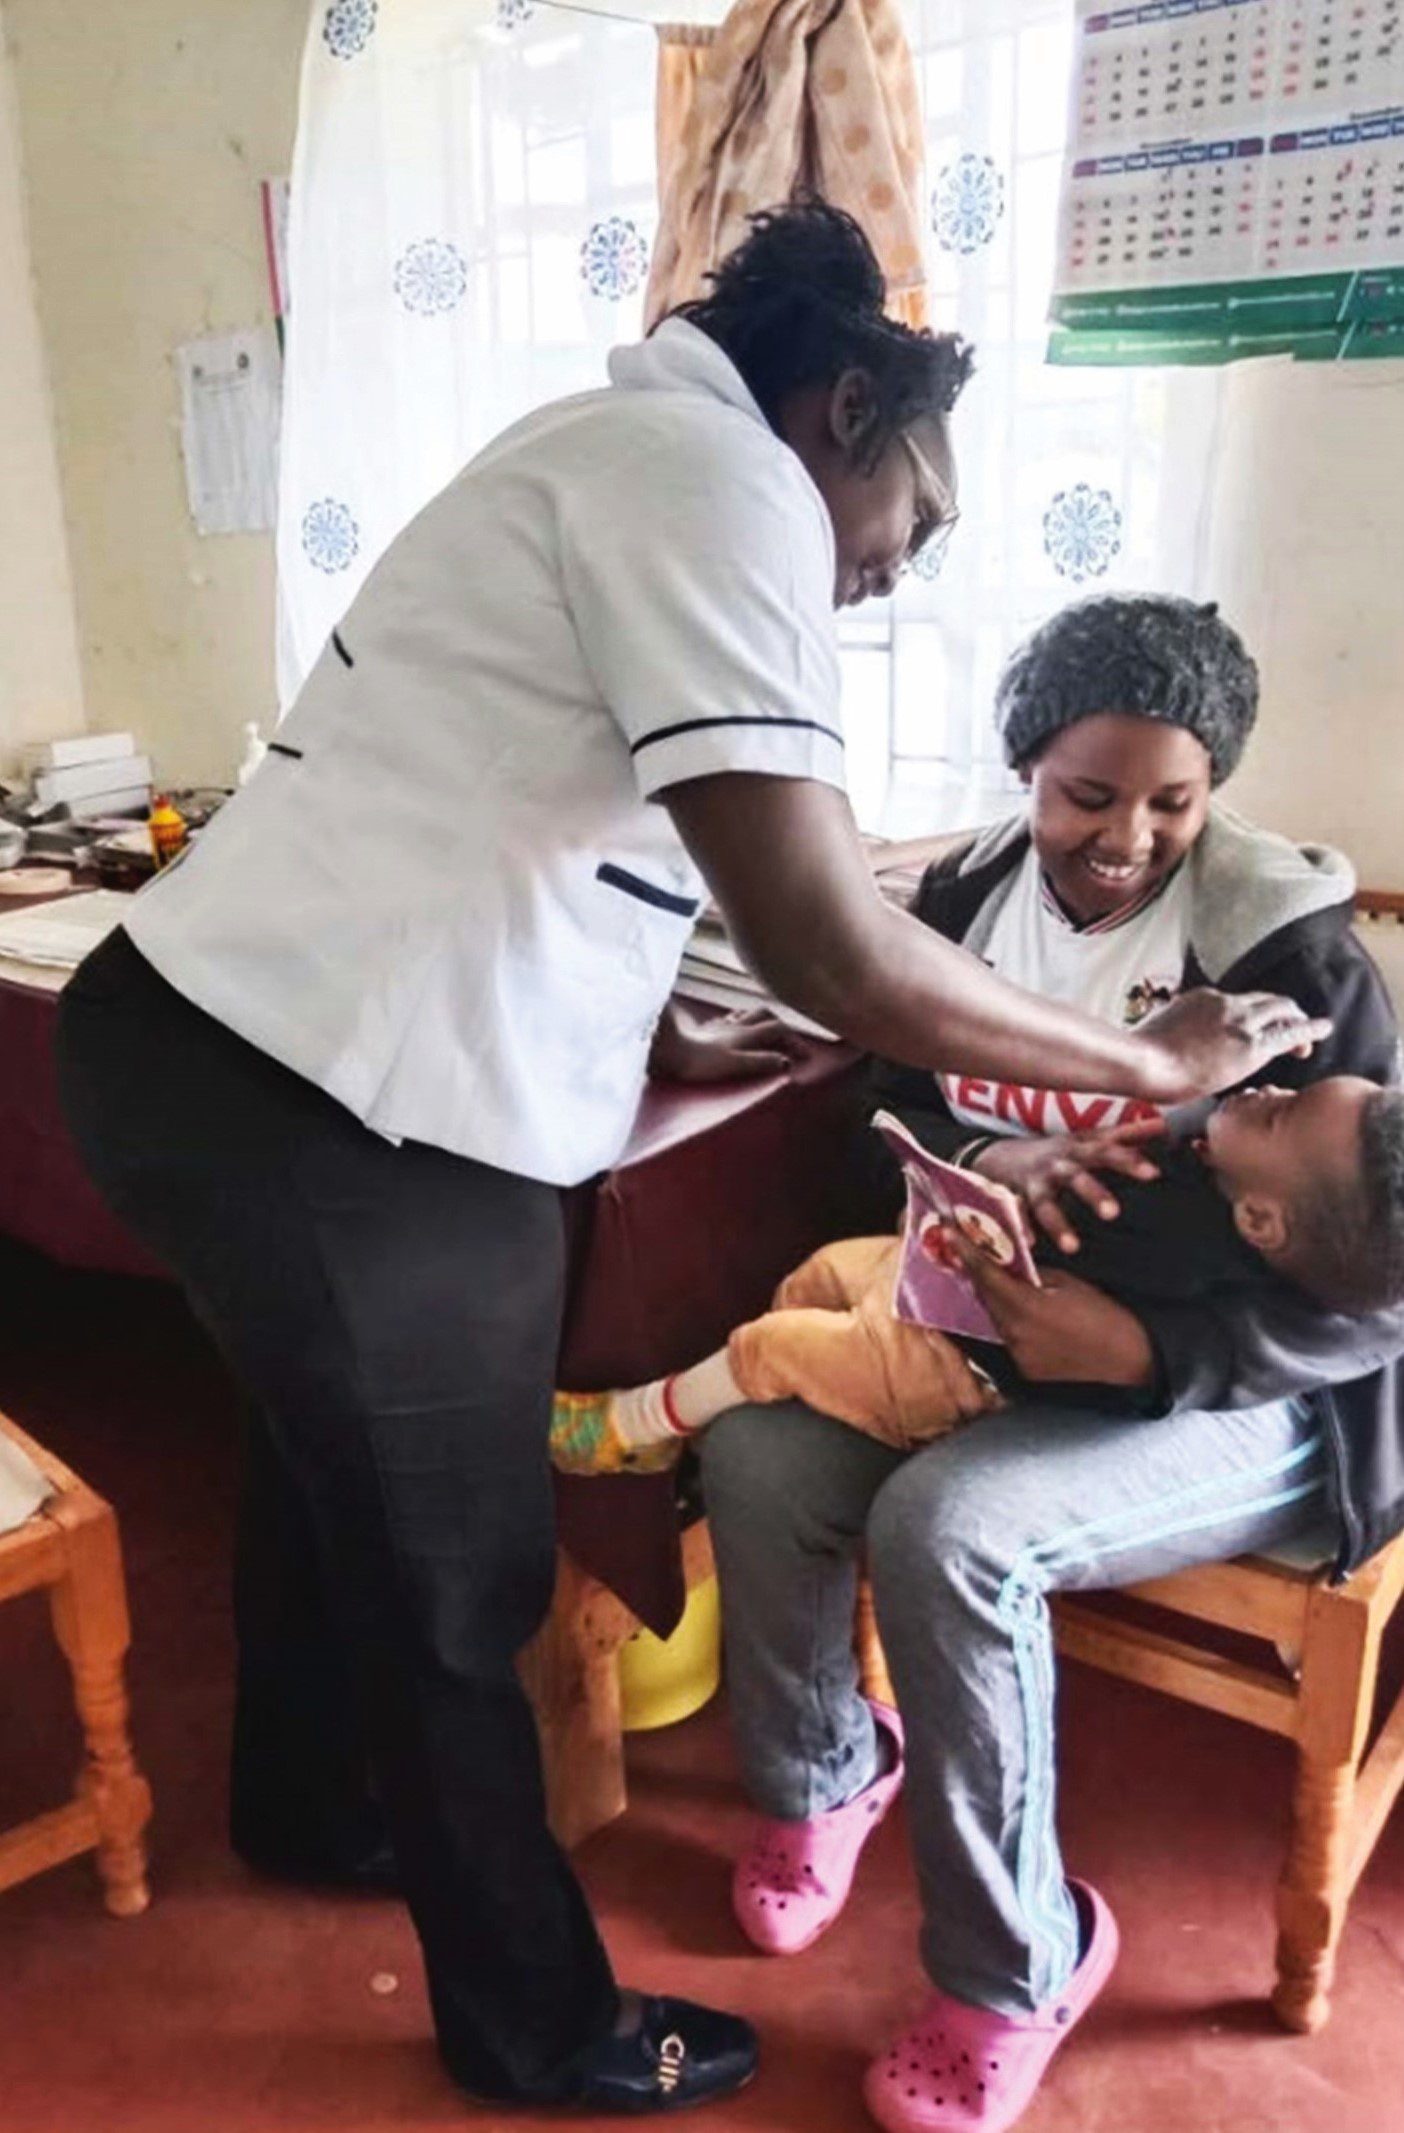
(1233, 183)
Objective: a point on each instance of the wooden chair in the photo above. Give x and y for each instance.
(1319, 1692)
(570, 1671)
(1321, 1696)
(70, 1547)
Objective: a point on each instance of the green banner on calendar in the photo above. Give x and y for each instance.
(1315, 317)
(1165, 345)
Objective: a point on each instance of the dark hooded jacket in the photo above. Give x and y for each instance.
(1267, 915)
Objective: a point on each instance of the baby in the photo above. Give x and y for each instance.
(1299, 1186)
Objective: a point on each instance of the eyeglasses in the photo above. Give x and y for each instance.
(936, 506)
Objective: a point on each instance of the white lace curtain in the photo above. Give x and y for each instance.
(473, 201)
(1070, 480)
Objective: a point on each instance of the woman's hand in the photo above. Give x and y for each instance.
(1206, 1041)
(1045, 1170)
(746, 1046)
(1066, 1332)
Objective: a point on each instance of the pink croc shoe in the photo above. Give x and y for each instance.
(794, 1878)
(962, 2069)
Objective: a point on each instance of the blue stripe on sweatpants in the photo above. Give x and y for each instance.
(964, 1541)
(1023, 1606)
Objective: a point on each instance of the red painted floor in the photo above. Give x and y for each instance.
(234, 2005)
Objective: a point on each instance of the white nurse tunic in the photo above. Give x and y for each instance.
(445, 896)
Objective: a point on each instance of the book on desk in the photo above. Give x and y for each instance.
(714, 973)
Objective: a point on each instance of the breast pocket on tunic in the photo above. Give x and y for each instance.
(647, 925)
(646, 892)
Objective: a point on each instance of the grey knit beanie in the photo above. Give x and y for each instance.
(1146, 654)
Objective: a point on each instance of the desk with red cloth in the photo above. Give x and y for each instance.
(718, 1194)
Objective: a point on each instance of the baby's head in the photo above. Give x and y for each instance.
(1315, 1177)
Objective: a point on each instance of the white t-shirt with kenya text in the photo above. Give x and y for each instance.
(1120, 969)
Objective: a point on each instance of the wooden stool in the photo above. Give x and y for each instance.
(570, 1670)
(70, 1546)
(873, 1677)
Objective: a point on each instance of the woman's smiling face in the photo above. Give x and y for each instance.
(1116, 802)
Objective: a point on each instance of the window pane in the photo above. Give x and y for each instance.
(993, 77)
(867, 672)
(919, 724)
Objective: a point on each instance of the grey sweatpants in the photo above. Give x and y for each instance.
(964, 1540)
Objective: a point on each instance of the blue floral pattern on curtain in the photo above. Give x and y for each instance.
(431, 276)
(348, 27)
(1082, 532)
(613, 258)
(330, 536)
(967, 203)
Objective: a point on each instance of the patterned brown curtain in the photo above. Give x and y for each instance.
(787, 96)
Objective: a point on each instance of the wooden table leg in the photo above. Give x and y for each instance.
(89, 1608)
(570, 1672)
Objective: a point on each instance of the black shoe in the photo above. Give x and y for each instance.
(680, 2054)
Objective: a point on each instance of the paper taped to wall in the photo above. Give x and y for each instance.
(230, 391)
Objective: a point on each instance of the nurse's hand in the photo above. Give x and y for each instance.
(1056, 1169)
(739, 1047)
(1066, 1332)
(1207, 1041)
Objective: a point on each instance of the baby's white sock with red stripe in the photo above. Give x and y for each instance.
(677, 1406)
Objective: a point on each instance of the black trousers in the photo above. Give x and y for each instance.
(393, 1314)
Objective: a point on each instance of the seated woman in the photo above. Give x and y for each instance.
(1122, 884)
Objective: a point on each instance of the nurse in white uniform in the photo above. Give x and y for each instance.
(403, 990)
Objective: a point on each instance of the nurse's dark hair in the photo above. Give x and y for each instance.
(800, 301)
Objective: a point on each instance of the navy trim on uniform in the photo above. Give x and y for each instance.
(700, 725)
(345, 656)
(647, 892)
(282, 748)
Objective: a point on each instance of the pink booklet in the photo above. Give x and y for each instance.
(933, 1288)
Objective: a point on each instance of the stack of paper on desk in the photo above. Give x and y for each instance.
(90, 774)
(713, 972)
(60, 934)
(72, 750)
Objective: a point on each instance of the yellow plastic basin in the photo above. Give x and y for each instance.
(662, 1680)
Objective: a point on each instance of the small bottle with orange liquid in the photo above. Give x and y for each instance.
(167, 828)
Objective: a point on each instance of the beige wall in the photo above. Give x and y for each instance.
(147, 125)
(1306, 555)
(40, 686)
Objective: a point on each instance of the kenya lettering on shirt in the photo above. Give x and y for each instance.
(1008, 1107)
(1119, 971)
